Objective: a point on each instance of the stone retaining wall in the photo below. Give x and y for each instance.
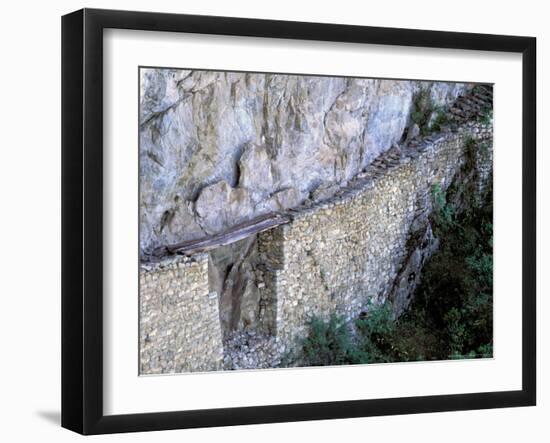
(179, 319)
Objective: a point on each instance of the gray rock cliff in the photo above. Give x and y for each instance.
(217, 148)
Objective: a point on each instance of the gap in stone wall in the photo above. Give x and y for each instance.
(233, 274)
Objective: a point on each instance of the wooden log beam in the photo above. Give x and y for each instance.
(232, 235)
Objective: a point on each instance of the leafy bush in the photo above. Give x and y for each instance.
(487, 116)
(444, 212)
(376, 334)
(332, 342)
(378, 338)
(426, 115)
(439, 120)
(422, 110)
(328, 342)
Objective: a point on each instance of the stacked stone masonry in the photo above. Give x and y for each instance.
(366, 244)
(179, 319)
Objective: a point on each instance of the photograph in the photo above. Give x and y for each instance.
(296, 220)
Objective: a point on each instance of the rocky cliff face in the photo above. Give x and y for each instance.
(217, 148)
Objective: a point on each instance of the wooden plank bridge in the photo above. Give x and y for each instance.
(235, 233)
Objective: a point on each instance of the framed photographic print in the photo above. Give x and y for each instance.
(269, 221)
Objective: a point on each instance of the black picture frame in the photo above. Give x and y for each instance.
(82, 218)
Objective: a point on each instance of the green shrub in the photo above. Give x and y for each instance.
(331, 342)
(487, 116)
(328, 342)
(439, 120)
(443, 212)
(426, 115)
(422, 110)
(376, 334)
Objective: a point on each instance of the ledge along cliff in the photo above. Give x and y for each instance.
(265, 199)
